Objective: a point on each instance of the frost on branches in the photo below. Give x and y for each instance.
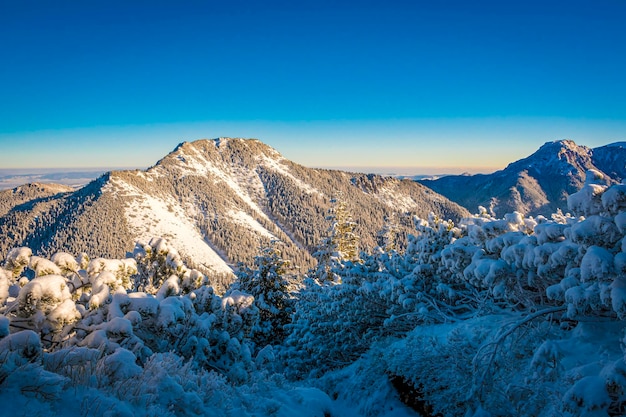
(509, 316)
(270, 285)
(339, 245)
(115, 328)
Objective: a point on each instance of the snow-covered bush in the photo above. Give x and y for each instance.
(158, 262)
(566, 269)
(91, 304)
(18, 259)
(513, 316)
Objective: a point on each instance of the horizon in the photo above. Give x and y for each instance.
(79, 176)
(11, 178)
(394, 84)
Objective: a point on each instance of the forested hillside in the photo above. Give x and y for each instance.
(217, 201)
(511, 316)
(538, 184)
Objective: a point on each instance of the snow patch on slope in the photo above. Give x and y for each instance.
(249, 222)
(396, 200)
(148, 216)
(201, 166)
(273, 164)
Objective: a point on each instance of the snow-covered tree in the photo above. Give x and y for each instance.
(512, 316)
(269, 283)
(388, 235)
(340, 244)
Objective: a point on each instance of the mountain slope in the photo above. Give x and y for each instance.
(538, 184)
(216, 201)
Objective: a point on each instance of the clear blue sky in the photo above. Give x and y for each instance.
(426, 84)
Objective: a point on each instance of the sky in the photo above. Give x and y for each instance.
(425, 86)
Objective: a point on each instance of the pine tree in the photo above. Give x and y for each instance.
(268, 283)
(339, 245)
(347, 240)
(388, 236)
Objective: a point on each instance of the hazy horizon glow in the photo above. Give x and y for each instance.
(455, 86)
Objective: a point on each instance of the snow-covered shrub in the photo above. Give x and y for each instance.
(119, 272)
(92, 307)
(20, 348)
(45, 303)
(588, 200)
(333, 324)
(156, 262)
(22, 374)
(43, 266)
(5, 281)
(18, 259)
(614, 199)
(66, 262)
(166, 382)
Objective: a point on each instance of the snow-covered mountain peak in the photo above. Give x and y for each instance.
(217, 200)
(557, 158)
(560, 149)
(220, 153)
(539, 183)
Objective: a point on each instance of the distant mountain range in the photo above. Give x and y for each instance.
(216, 201)
(11, 178)
(538, 184)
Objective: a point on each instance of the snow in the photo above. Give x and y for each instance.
(65, 313)
(506, 317)
(596, 265)
(170, 287)
(395, 200)
(119, 327)
(4, 286)
(199, 165)
(614, 199)
(19, 256)
(118, 366)
(588, 201)
(44, 293)
(43, 266)
(275, 165)
(65, 261)
(146, 304)
(249, 222)
(150, 216)
(620, 221)
(25, 343)
(618, 296)
(589, 394)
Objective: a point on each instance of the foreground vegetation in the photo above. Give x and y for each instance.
(510, 316)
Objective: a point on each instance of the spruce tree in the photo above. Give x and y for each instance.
(268, 283)
(339, 245)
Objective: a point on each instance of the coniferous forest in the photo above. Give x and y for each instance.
(486, 316)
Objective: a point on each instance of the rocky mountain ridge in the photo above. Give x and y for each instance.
(538, 184)
(216, 201)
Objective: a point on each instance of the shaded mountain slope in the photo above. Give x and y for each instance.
(538, 184)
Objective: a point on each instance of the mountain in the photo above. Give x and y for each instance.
(538, 184)
(216, 201)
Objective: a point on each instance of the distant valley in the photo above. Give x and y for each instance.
(11, 178)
